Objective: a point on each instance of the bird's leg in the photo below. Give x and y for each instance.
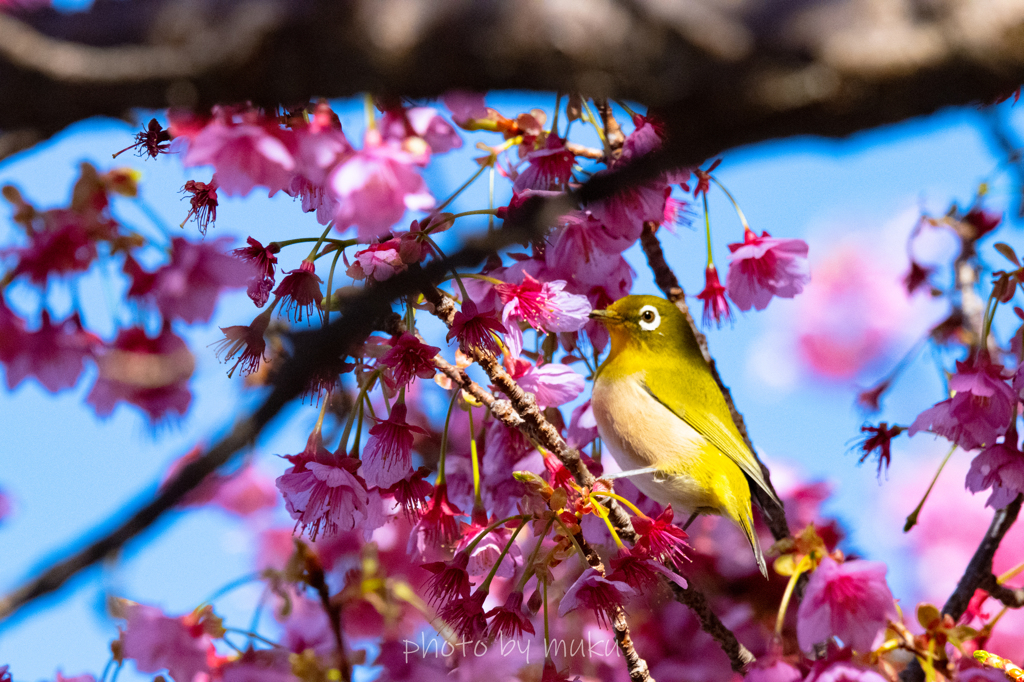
(626, 474)
(690, 520)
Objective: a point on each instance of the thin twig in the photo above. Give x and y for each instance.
(774, 515)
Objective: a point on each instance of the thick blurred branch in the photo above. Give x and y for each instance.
(774, 515)
(720, 74)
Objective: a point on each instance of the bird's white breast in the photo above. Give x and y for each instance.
(640, 432)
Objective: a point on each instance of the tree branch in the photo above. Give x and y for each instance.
(977, 574)
(774, 515)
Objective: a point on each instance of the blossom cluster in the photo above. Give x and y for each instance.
(404, 517)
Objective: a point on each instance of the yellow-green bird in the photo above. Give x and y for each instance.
(664, 419)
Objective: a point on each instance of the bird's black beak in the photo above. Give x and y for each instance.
(604, 315)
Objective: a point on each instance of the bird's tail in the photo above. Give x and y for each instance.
(747, 524)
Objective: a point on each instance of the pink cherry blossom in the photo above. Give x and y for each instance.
(157, 642)
(844, 671)
(466, 616)
(582, 426)
(246, 342)
(648, 135)
(423, 122)
(550, 167)
(661, 539)
(54, 354)
(850, 601)
(576, 256)
(245, 151)
(12, 331)
(202, 204)
(475, 328)
(188, 287)
(378, 262)
(387, 458)
(979, 411)
(1000, 467)
(65, 244)
(450, 580)
(716, 305)
(625, 213)
(307, 627)
(375, 186)
(508, 620)
(300, 292)
(465, 105)
(321, 492)
(552, 384)
(409, 357)
(597, 593)
(776, 671)
(488, 549)
(259, 665)
(640, 572)
(762, 267)
(150, 373)
(263, 258)
(544, 306)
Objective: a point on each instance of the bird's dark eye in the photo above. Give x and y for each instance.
(647, 316)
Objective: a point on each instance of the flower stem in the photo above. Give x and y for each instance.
(912, 519)
(444, 439)
(490, 200)
(620, 498)
(355, 408)
(478, 503)
(458, 278)
(371, 118)
(461, 189)
(482, 534)
(739, 212)
(479, 211)
(1011, 574)
(501, 557)
(803, 566)
(316, 247)
(340, 243)
(330, 284)
(528, 567)
(707, 228)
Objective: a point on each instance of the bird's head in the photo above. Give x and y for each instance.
(646, 324)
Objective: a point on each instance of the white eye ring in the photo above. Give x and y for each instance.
(649, 318)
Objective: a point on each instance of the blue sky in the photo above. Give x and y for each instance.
(69, 473)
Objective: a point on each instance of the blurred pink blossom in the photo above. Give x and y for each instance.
(850, 601)
(54, 354)
(245, 151)
(375, 186)
(156, 641)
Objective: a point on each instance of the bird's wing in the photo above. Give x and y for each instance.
(696, 404)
